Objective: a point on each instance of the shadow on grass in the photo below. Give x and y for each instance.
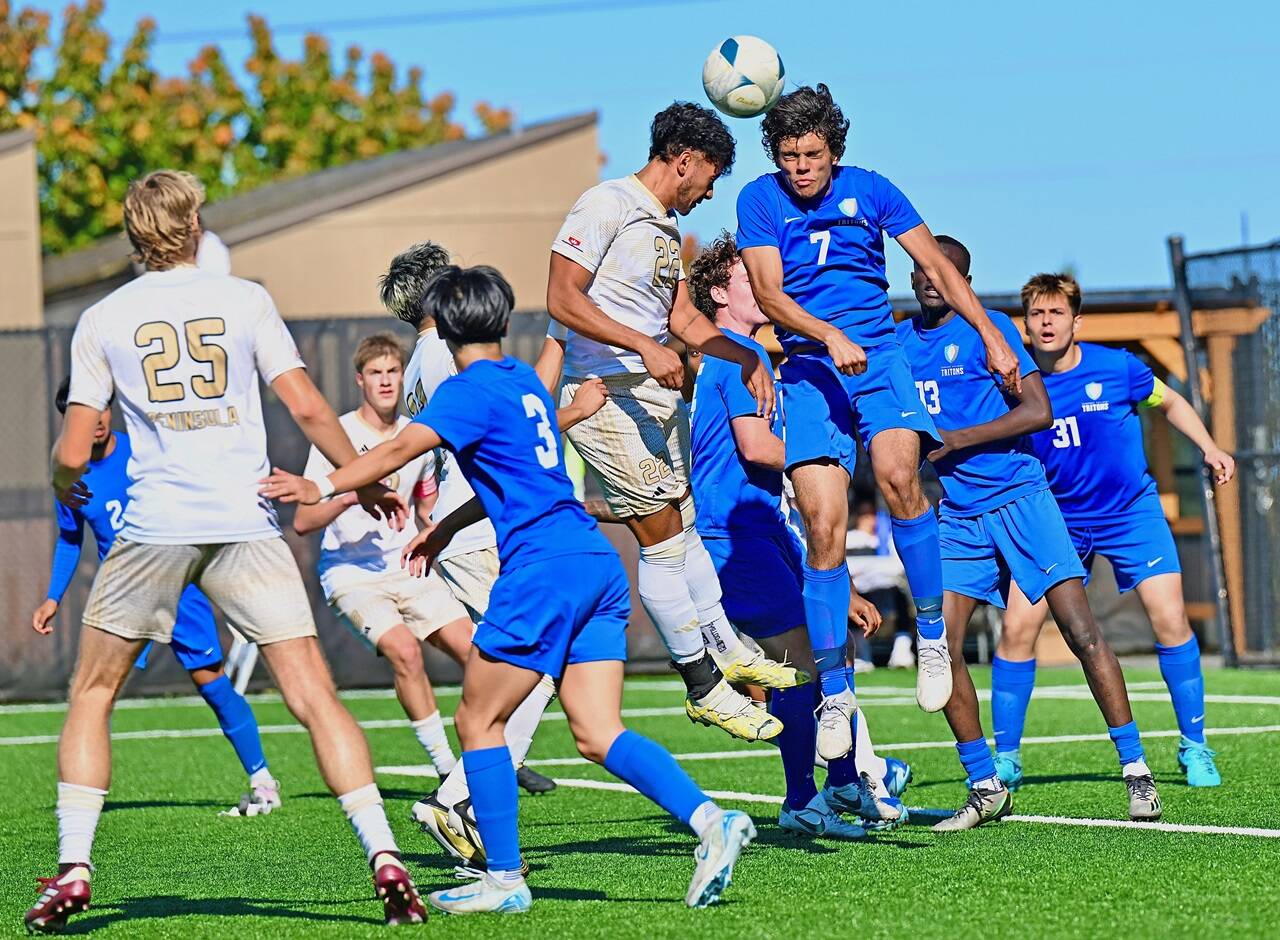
(114, 805)
(161, 907)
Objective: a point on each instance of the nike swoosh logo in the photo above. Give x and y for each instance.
(1197, 718)
(1155, 561)
(794, 218)
(1051, 567)
(906, 414)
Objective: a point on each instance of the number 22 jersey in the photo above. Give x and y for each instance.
(497, 418)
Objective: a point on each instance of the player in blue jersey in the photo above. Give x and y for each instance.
(812, 238)
(1094, 459)
(736, 474)
(999, 520)
(496, 417)
(195, 634)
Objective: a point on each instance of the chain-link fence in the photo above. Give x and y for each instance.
(32, 363)
(1250, 278)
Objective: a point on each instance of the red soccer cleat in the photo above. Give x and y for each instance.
(400, 901)
(60, 897)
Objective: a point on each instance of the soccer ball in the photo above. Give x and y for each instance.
(743, 76)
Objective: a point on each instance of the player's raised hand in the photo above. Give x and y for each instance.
(759, 382)
(864, 615)
(289, 488)
(664, 365)
(423, 549)
(382, 502)
(1222, 464)
(74, 496)
(846, 355)
(1002, 362)
(44, 613)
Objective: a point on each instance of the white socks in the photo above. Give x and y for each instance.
(261, 778)
(430, 734)
(864, 755)
(666, 597)
(702, 818)
(704, 587)
(78, 811)
(363, 807)
(519, 737)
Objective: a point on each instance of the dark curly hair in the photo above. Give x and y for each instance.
(712, 268)
(803, 111)
(686, 126)
(402, 287)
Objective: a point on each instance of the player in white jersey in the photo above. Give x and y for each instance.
(469, 564)
(617, 283)
(391, 611)
(183, 350)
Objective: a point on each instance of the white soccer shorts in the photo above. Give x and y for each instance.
(424, 605)
(470, 577)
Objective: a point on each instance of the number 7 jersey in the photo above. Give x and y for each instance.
(183, 349)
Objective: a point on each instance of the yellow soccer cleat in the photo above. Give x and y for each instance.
(759, 669)
(724, 707)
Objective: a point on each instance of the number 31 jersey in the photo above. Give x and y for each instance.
(499, 421)
(622, 235)
(1093, 454)
(183, 350)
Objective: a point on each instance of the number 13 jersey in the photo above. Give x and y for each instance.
(183, 349)
(621, 234)
(499, 421)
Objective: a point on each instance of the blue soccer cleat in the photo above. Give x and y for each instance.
(897, 774)
(1009, 769)
(485, 895)
(1196, 760)
(817, 820)
(729, 833)
(875, 812)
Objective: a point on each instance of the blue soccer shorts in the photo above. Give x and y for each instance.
(761, 579)
(1138, 543)
(195, 634)
(545, 615)
(826, 413)
(1026, 540)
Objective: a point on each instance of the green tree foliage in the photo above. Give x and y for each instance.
(103, 119)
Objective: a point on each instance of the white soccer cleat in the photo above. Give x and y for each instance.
(835, 725)
(261, 800)
(860, 799)
(1144, 801)
(485, 895)
(980, 807)
(729, 833)
(933, 674)
(902, 656)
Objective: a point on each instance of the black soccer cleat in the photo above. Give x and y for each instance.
(533, 782)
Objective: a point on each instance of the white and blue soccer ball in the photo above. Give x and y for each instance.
(743, 76)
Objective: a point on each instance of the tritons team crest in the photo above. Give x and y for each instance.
(849, 206)
(1093, 390)
(951, 351)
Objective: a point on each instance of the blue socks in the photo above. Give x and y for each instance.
(1128, 743)
(491, 778)
(649, 768)
(917, 543)
(794, 708)
(826, 611)
(1011, 686)
(237, 722)
(1180, 668)
(976, 758)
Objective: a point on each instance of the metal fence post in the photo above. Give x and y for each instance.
(1182, 300)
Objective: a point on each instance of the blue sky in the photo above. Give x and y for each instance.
(1040, 134)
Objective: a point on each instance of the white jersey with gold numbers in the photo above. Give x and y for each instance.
(183, 349)
(620, 233)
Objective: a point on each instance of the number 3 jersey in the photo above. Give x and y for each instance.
(183, 350)
(500, 423)
(622, 235)
(1093, 455)
(949, 363)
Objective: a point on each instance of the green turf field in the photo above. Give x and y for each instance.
(610, 864)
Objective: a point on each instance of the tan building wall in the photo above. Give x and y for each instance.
(21, 298)
(504, 212)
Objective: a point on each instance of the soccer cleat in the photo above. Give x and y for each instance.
(485, 895)
(759, 669)
(1144, 801)
(879, 814)
(933, 674)
(1009, 768)
(901, 657)
(259, 801)
(60, 897)
(433, 816)
(981, 806)
(861, 666)
(817, 820)
(396, 891)
(726, 708)
(533, 782)
(835, 725)
(1196, 760)
(729, 833)
(897, 774)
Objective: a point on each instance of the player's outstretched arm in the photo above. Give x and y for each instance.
(1183, 417)
(764, 268)
(920, 244)
(568, 303)
(71, 453)
(314, 415)
(1032, 413)
(550, 364)
(587, 400)
(697, 332)
(421, 552)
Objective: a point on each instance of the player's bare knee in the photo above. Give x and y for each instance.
(403, 651)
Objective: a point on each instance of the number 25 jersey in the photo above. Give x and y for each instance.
(499, 421)
(183, 349)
